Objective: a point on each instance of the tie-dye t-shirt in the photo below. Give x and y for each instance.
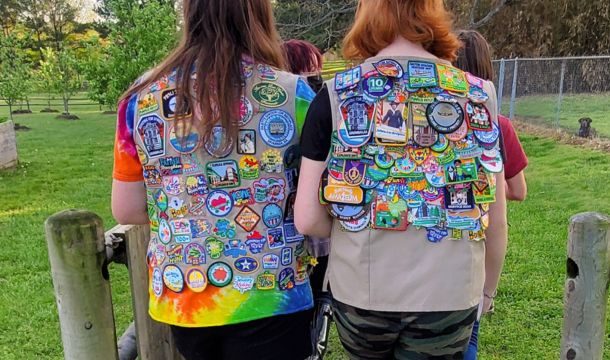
(224, 248)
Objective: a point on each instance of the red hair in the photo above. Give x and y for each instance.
(302, 57)
(379, 22)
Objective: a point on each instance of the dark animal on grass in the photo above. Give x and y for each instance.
(586, 131)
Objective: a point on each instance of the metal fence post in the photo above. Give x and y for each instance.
(77, 253)
(586, 289)
(501, 84)
(560, 97)
(513, 94)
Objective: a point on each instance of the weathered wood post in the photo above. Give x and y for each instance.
(154, 339)
(77, 254)
(586, 291)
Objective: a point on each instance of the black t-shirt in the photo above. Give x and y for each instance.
(317, 130)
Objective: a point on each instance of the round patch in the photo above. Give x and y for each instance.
(488, 137)
(459, 133)
(292, 157)
(276, 128)
(368, 183)
(220, 274)
(477, 95)
(441, 144)
(356, 225)
(389, 67)
(269, 94)
(219, 203)
(196, 280)
(173, 278)
(181, 142)
(272, 215)
(246, 265)
(377, 86)
(346, 212)
(445, 117)
(384, 160)
(157, 282)
(219, 145)
(492, 164)
(245, 111)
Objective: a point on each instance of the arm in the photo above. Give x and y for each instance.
(496, 242)
(129, 202)
(311, 217)
(516, 187)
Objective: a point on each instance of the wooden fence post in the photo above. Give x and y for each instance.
(586, 290)
(77, 254)
(154, 339)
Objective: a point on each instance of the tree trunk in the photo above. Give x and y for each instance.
(66, 110)
(49, 99)
(27, 101)
(10, 110)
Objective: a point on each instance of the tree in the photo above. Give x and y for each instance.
(60, 70)
(8, 15)
(321, 22)
(61, 14)
(15, 72)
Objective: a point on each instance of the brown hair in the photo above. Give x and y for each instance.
(475, 55)
(302, 57)
(216, 35)
(379, 22)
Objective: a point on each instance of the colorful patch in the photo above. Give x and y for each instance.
(194, 254)
(271, 261)
(165, 232)
(275, 238)
(196, 280)
(152, 132)
(424, 136)
(182, 142)
(265, 72)
(389, 67)
(169, 101)
(255, 242)
(436, 235)
(340, 151)
(478, 117)
(390, 123)
(357, 117)
(425, 215)
(357, 225)
(218, 144)
(459, 197)
(247, 142)
(451, 78)
(177, 207)
(269, 190)
(214, 247)
(247, 219)
(243, 283)
(147, 104)
(242, 197)
(286, 256)
(460, 171)
(222, 174)
(265, 281)
(488, 138)
(277, 128)
(377, 86)
(200, 228)
(246, 265)
(235, 249)
(272, 215)
(347, 79)
(353, 172)
(285, 279)
(421, 74)
(271, 161)
(224, 229)
(219, 203)
(157, 282)
(196, 185)
(173, 278)
(220, 274)
(152, 176)
(422, 96)
(445, 117)
(389, 214)
(245, 111)
(269, 94)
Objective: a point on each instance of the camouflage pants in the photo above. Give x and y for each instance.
(375, 335)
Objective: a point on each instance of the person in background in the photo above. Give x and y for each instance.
(303, 58)
(227, 269)
(475, 58)
(406, 273)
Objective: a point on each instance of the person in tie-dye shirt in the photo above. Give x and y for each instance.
(210, 160)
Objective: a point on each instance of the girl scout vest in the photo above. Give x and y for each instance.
(224, 248)
(409, 180)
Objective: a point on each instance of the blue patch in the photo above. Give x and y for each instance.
(291, 233)
(286, 256)
(286, 279)
(304, 91)
(235, 248)
(347, 79)
(246, 265)
(256, 242)
(436, 235)
(152, 132)
(377, 87)
(272, 215)
(271, 261)
(277, 128)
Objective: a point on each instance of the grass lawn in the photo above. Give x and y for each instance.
(67, 164)
(543, 109)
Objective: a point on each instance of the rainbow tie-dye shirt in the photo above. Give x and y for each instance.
(223, 248)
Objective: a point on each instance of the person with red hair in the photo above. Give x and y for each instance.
(416, 212)
(305, 59)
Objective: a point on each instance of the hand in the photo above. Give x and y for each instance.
(488, 305)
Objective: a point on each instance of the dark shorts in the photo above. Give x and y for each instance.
(401, 335)
(283, 337)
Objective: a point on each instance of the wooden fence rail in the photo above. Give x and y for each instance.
(79, 255)
(586, 289)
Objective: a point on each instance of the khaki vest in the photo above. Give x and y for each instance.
(224, 248)
(374, 262)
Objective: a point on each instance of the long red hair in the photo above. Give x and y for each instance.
(379, 22)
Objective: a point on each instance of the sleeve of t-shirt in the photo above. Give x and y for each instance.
(127, 165)
(304, 97)
(318, 128)
(515, 159)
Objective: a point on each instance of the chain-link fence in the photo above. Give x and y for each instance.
(556, 92)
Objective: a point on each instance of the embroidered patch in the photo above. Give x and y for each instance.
(152, 132)
(269, 94)
(222, 174)
(173, 278)
(220, 274)
(277, 128)
(219, 203)
(247, 219)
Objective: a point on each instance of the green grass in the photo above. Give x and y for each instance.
(543, 109)
(67, 164)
